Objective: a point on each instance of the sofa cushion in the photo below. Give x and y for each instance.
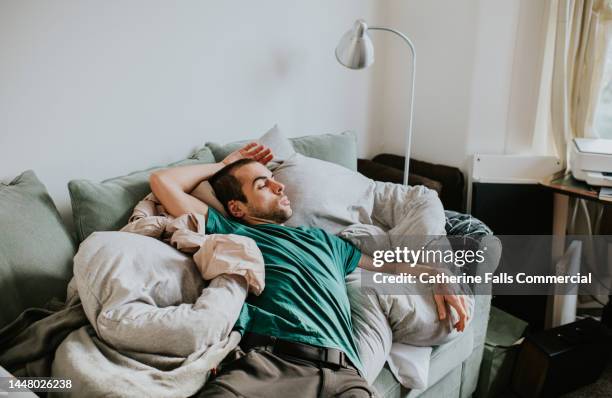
(450, 355)
(107, 205)
(36, 249)
(336, 148)
(444, 359)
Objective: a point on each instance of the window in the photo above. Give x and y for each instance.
(603, 118)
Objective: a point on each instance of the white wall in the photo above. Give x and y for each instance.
(477, 77)
(93, 89)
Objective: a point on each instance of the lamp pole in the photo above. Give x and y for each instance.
(355, 51)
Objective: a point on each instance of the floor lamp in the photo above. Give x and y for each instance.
(355, 51)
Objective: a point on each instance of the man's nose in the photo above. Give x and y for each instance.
(277, 187)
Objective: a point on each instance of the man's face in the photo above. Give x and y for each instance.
(266, 199)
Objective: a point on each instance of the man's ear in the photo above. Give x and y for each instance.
(236, 208)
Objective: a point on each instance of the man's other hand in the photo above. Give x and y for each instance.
(458, 302)
(252, 150)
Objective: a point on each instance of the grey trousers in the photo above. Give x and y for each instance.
(260, 373)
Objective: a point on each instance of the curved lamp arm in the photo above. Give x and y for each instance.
(409, 136)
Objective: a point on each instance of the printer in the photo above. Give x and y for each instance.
(591, 161)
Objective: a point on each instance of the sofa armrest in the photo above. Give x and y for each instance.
(451, 178)
(384, 173)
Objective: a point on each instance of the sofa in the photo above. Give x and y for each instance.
(36, 253)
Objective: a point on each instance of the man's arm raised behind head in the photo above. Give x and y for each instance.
(172, 187)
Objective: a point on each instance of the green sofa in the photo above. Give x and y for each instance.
(36, 253)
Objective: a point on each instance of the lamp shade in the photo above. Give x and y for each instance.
(355, 50)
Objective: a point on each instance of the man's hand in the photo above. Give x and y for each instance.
(252, 150)
(443, 294)
(455, 301)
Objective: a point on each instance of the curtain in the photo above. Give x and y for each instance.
(580, 48)
(582, 36)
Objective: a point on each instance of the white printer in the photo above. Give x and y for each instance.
(591, 161)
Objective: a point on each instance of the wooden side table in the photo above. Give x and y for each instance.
(560, 310)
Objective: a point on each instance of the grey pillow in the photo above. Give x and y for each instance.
(324, 194)
(107, 205)
(336, 148)
(36, 249)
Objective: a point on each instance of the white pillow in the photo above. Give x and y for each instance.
(410, 364)
(279, 144)
(324, 194)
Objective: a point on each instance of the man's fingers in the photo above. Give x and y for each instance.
(440, 306)
(456, 303)
(253, 150)
(465, 307)
(248, 147)
(265, 160)
(262, 154)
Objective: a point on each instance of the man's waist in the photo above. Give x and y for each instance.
(308, 352)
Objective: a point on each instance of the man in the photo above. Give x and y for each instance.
(297, 335)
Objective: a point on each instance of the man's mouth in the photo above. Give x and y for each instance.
(285, 201)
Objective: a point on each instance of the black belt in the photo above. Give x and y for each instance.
(299, 350)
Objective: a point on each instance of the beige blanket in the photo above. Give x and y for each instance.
(213, 254)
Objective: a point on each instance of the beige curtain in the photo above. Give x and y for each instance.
(580, 47)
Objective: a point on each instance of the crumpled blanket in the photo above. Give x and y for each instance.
(141, 318)
(148, 324)
(410, 216)
(215, 254)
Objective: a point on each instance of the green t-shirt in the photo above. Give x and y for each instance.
(305, 297)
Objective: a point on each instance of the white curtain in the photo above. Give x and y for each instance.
(582, 36)
(581, 41)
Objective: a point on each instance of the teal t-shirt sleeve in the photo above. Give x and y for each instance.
(348, 254)
(217, 224)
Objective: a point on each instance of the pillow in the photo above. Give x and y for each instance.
(36, 249)
(336, 148)
(325, 195)
(107, 205)
(410, 365)
(280, 145)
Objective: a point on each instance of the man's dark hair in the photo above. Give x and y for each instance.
(226, 186)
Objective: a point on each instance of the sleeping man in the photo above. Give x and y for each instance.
(297, 335)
